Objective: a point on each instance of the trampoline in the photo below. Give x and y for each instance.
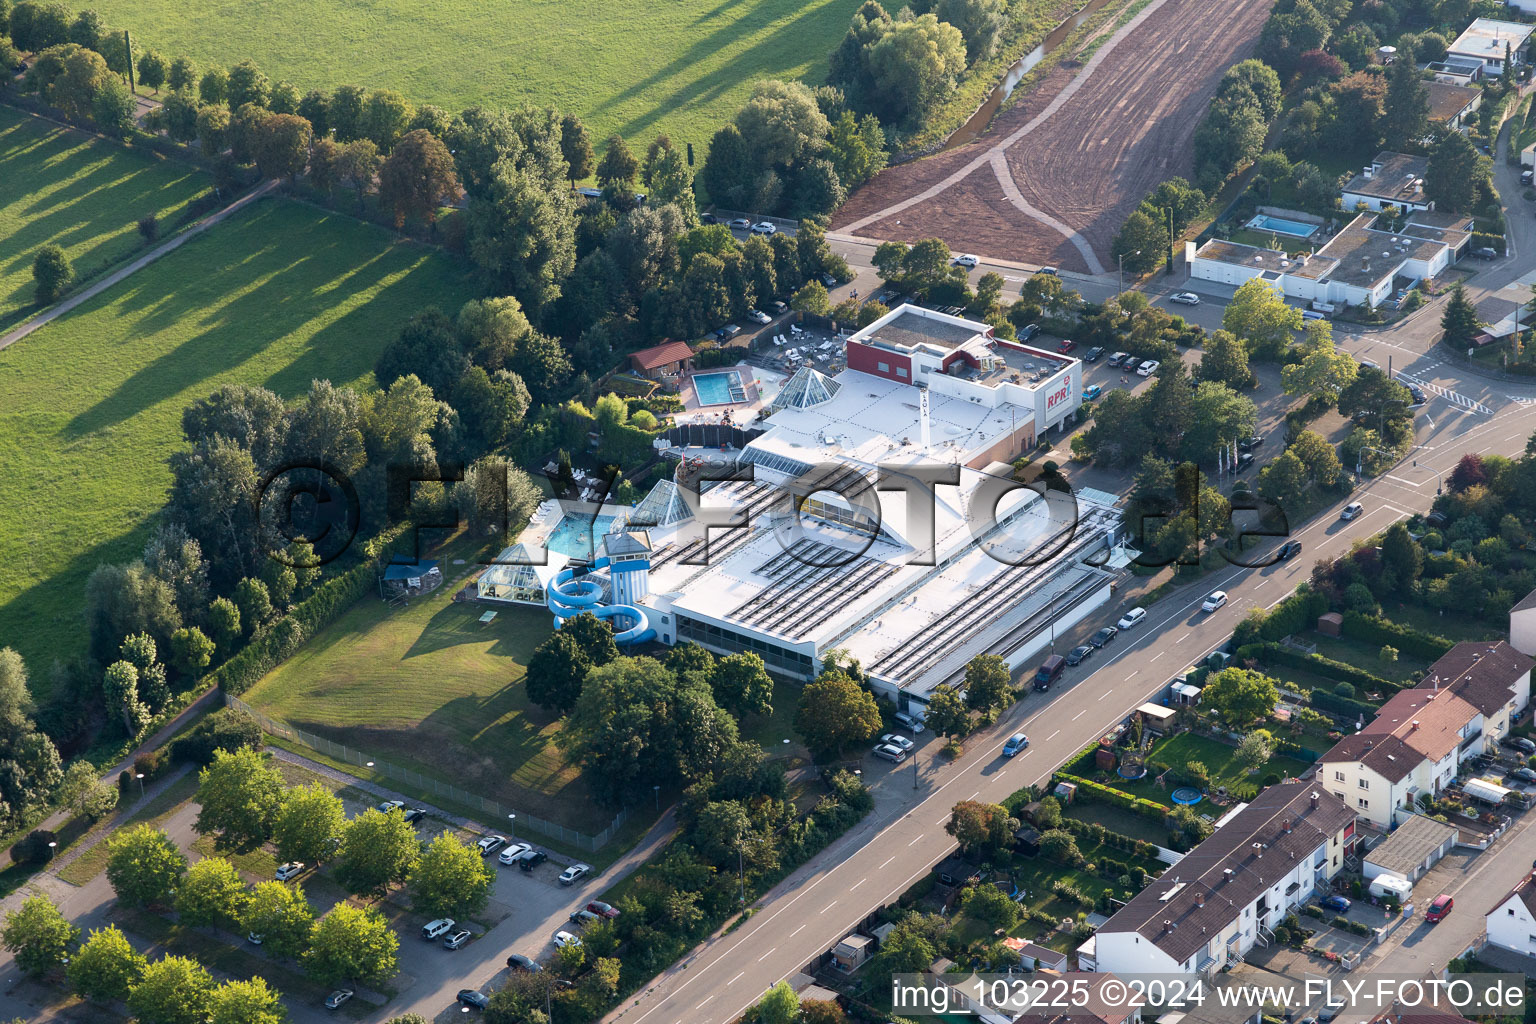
(1186, 795)
(1131, 772)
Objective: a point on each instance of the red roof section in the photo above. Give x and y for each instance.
(661, 355)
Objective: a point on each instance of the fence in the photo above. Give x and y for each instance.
(431, 787)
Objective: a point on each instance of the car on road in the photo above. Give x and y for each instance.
(1131, 618)
(488, 845)
(434, 930)
(575, 873)
(564, 938)
(457, 939)
(1438, 908)
(511, 854)
(335, 1000)
(390, 805)
(1336, 903)
(1029, 332)
(1525, 775)
(1079, 654)
(1290, 549)
(1091, 392)
(966, 260)
(1351, 511)
(1017, 742)
(290, 870)
(1215, 601)
(1185, 298)
(473, 997)
(602, 909)
(1048, 272)
(1519, 743)
(889, 752)
(532, 860)
(909, 722)
(1067, 345)
(897, 741)
(253, 938)
(1094, 354)
(1251, 442)
(583, 917)
(741, 224)
(518, 962)
(764, 227)
(1148, 368)
(1104, 636)
(1244, 460)
(1416, 393)
(757, 316)
(415, 814)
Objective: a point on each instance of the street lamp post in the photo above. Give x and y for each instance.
(140, 777)
(914, 769)
(511, 826)
(657, 791)
(1121, 259)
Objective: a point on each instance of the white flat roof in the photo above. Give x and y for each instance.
(1485, 38)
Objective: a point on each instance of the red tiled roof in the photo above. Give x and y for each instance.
(661, 355)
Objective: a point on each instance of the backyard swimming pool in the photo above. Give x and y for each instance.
(719, 388)
(1281, 226)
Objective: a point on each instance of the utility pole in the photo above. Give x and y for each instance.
(1170, 241)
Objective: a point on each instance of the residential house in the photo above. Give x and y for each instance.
(1392, 179)
(1412, 747)
(1492, 677)
(1487, 40)
(1457, 70)
(1451, 105)
(668, 359)
(1511, 923)
(1227, 895)
(1522, 625)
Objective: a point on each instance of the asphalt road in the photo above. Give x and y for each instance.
(817, 906)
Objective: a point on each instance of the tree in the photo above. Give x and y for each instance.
(1469, 472)
(780, 1005)
(1255, 748)
(835, 712)
(53, 273)
(1284, 481)
(1259, 315)
(212, 894)
(450, 879)
(909, 67)
(191, 651)
(152, 70)
(1318, 458)
(224, 620)
(172, 990)
(350, 944)
(247, 84)
(555, 673)
(1402, 559)
(1226, 361)
(213, 129)
(418, 177)
(246, 1002)
(1405, 119)
(979, 826)
(822, 1011)
(1323, 372)
(377, 851)
(120, 688)
(1060, 845)
(38, 936)
(618, 167)
(239, 796)
(856, 147)
(143, 865)
(1240, 695)
(106, 967)
(947, 713)
(182, 75)
(990, 905)
(1457, 174)
(309, 824)
(386, 118)
(254, 602)
(576, 149)
(1460, 321)
(1141, 242)
(282, 145)
(522, 235)
(346, 111)
(281, 916)
(988, 683)
(742, 685)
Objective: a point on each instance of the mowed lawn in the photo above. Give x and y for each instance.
(431, 688)
(279, 295)
(64, 187)
(635, 67)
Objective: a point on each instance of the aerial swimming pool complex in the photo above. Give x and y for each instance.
(719, 388)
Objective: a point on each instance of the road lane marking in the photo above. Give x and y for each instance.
(1080, 714)
(1052, 736)
(1132, 672)
(855, 885)
(797, 931)
(828, 907)
(766, 955)
(887, 861)
(1181, 639)
(1155, 657)
(914, 840)
(706, 999)
(1106, 693)
(735, 979)
(974, 795)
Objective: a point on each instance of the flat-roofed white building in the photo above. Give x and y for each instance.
(1486, 41)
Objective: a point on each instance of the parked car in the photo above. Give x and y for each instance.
(1215, 601)
(415, 814)
(1312, 314)
(1067, 345)
(1120, 359)
(1336, 903)
(511, 854)
(1049, 671)
(434, 930)
(889, 752)
(1094, 354)
(583, 917)
(1438, 908)
(335, 1000)
(1519, 743)
(1048, 272)
(1290, 549)
(1486, 252)
(290, 870)
(757, 316)
(1091, 392)
(1104, 636)
(574, 873)
(602, 909)
(1244, 460)
(1131, 618)
(741, 224)
(473, 997)
(1416, 393)
(532, 860)
(518, 962)
(488, 845)
(457, 939)
(1148, 368)
(909, 721)
(253, 938)
(727, 332)
(708, 218)
(828, 281)
(764, 227)
(1185, 299)
(1248, 444)
(779, 308)
(1029, 332)
(1351, 511)
(967, 260)
(1017, 742)
(390, 805)
(897, 740)
(1330, 1012)
(1079, 654)
(564, 938)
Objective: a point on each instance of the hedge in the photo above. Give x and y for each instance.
(1376, 630)
(1342, 706)
(1328, 668)
(272, 644)
(1118, 797)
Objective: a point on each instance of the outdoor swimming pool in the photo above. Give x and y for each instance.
(576, 536)
(1281, 226)
(719, 388)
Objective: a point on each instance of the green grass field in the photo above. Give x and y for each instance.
(280, 295)
(634, 67)
(86, 195)
(431, 688)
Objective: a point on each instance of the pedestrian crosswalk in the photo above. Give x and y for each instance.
(1456, 398)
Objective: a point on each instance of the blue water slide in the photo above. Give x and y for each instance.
(568, 596)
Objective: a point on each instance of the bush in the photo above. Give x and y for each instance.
(33, 848)
(149, 227)
(1342, 706)
(1375, 630)
(226, 729)
(1340, 921)
(1312, 910)
(151, 763)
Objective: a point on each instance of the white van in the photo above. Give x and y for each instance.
(432, 930)
(1322, 307)
(912, 723)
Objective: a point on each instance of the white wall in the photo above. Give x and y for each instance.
(1522, 624)
(1224, 273)
(1511, 926)
(1375, 203)
(1131, 953)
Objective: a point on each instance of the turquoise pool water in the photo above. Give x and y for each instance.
(577, 536)
(1281, 226)
(719, 388)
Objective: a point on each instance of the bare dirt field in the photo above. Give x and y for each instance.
(1058, 172)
